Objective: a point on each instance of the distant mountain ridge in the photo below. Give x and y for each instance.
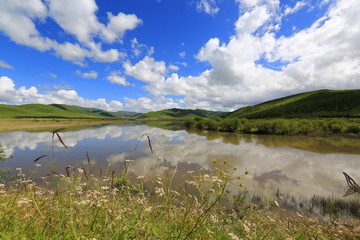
(67, 111)
(321, 103)
(181, 113)
(58, 111)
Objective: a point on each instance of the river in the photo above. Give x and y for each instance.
(299, 165)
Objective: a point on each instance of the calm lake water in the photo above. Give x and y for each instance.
(299, 165)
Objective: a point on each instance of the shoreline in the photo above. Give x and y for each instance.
(48, 124)
(36, 124)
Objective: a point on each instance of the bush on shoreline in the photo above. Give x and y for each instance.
(276, 126)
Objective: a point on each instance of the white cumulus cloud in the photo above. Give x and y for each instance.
(115, 77)
(207, 6)
(325, 55)
(145, 104)
(23, 95)
(19, 19)
(91, 74)
(291, 10)
(146, 70)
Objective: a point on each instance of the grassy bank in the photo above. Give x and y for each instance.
(278, 126)
(82, 203)
(38, 124)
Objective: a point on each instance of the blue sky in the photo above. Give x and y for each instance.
(145, 55)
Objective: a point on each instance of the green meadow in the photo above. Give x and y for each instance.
(323, 103)
(57, 111)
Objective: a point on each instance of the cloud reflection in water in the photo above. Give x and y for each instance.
(291, 164)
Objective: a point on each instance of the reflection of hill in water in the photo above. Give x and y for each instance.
(98, 126)
(273, 161)
(332, 144)
(82, 127)
(173, 126)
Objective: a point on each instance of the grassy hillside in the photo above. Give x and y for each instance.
(181, 113)
(57, 111)
(323, 103)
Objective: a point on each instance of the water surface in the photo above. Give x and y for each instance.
(298, 165)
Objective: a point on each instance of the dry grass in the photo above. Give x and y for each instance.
(11, 125)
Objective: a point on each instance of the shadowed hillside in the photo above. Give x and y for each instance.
(323, 103)
(181, 113)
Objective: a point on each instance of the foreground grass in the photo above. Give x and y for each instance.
(78, 205)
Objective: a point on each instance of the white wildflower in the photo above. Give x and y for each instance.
(233, 236)
(191, 182)
(160, 191)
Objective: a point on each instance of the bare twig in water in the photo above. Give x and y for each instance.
(112, 179)
(88, 158)
(67, 170)
(149, 142)
(42, 156)
(148, 137)
(353, 187)
(85, 174)
(60, 139)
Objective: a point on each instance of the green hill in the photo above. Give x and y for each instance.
(181, 113)
(322, 103)
(57, 111)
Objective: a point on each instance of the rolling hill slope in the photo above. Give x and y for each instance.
(181, 113)
(57, 111)
(322, 103)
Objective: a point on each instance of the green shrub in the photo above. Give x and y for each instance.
(353, 128)
(337, 126)
(217, 119)
(190, 122)
(281, 127)
(230, 125)
(212, 124)
(200, 124)
(264, 127)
